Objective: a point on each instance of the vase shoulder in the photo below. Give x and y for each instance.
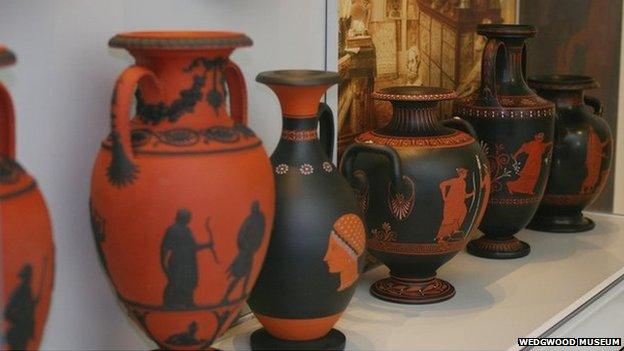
(455, 139)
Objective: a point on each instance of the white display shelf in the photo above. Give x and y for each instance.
(497, 301)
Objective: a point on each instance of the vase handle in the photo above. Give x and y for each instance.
(326, 128)
(595, 103)
(350, 154)
(7, 124)
(460, 124)
(122, 170)
(238, 92)
(487, 91)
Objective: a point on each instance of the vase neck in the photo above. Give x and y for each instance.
(299, 130)
(564, 99)
(411, 118)
(194, 89)
(512, 70)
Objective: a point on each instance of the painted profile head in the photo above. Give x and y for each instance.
(346, 245)
(462, 172)
(183, 216)
(26, 273)
(539, 136)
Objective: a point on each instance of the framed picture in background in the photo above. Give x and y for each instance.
(407, 42)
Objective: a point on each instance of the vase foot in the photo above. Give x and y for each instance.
(412, 291)
(562, 224)
(498, 249)
(262, 340)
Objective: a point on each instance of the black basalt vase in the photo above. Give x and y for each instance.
(515, 127)
(582, 153)
(316, 250)
(423, 187)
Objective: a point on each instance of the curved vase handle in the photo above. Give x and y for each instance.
(348, 158)
(595, 103)
(7, 124)
(122, 169)
(460, 124)
(487, 91)
(326, 129)
(238, 92)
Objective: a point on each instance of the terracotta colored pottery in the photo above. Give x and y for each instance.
(182, 195)
(316, 250)
(423, 187)
(26, 248)
(582, 154)
(515, 127)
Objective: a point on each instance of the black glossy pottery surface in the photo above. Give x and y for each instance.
(422, 187)
(316, 250)
(582, 154)
(515, 128)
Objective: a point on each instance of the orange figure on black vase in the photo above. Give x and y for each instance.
(454, 195)
(423, 180)
(535, 150)
(316, 251)
(515, 128)
(582, 154)
(26, 246)
(182, 193)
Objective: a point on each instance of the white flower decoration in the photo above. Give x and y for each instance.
(282, 168)
(306, 169)
(328, 167)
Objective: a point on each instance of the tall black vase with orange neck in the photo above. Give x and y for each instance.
(316, 250)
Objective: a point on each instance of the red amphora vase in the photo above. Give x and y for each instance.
(26, 247)
(182, 195)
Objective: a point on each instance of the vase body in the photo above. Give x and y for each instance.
(316, 250)
(582, 153)
(26, 247)
(515, 127)
(423, 187)
(182, 195)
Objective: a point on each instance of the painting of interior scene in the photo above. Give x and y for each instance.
(407, 42)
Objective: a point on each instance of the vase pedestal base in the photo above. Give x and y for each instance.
(562, 224)
(262, 340)
(500, 249)
(412, 291)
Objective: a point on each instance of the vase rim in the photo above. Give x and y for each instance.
(414, 93)
(180, 40)
(507, 30)
(298, 77)
(7, 57)
(562, 82)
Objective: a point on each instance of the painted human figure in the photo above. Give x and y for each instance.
(454, 196)
(346, 245)
(20, 312)
(178, 257)
(529, 174)
(593, 160)
(250, 237)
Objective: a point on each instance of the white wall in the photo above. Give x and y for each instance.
(61, 88)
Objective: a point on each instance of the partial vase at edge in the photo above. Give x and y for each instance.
(182, 194)
(27, 263)
(582, 153)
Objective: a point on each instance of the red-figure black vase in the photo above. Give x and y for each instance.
(515, 127)
(582, 153)
(316, 250)
(423, 187)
